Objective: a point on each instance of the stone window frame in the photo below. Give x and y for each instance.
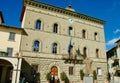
(97, 53)
(70, 30)
(99, 71)
(10, 51)
(39, 48)
(96, 36)
(54, 49)
(84, 34)
(55, 28)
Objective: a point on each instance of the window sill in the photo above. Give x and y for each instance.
(11, 40)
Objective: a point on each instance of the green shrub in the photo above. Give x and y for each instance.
(81, 74)
(94, 75)
(48, 76)
(63, 76)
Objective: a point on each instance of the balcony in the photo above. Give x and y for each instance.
(73, 60)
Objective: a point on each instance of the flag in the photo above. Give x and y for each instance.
(70, 46)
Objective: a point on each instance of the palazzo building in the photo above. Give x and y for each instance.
(10, 62)
(61, 40)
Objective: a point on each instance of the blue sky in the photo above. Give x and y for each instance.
(107, 10)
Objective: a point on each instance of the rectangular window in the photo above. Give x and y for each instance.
(70, 70)
(12, 36)
(10, 51)
(99, 71)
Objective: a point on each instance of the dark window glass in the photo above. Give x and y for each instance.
(70, 31)
(85, 52)
(83, 34)
(54, 48)
(55, 28)
(97, 53)
(38, 25)
(36, 46)
(12, 36)
(10, 51)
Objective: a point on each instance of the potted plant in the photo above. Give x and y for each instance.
(81, 75)
(95, 76)
(63, 77)
(48, 77)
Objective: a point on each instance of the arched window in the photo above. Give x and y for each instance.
(55, 28)
(54, 48)
(85, 52)
(38, 25)
(83, 34)
(97, 53)
(70, 31)
(36, 46)
(95, 36)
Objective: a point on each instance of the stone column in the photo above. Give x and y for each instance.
(3, 77)
(16, 71)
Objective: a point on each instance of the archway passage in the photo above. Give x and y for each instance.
(6, 69)
(54, 71)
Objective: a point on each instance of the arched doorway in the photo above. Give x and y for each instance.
(54, 73)
(6, 70)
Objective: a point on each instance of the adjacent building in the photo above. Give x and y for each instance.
(113, 59)
(10, 62)
(61, 40)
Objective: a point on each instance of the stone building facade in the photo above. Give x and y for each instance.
(60, 40)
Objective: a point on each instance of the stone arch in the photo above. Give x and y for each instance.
(13, 62)
(6, 70)
(14, 65)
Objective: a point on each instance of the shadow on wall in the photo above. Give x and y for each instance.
(28, 73)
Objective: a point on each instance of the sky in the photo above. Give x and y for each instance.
(107, 10)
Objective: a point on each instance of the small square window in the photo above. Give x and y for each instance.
(9, 51)
(12, 36)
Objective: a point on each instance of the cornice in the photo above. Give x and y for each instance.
(62, 11)
(11, 27)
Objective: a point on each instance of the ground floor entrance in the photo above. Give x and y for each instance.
(5, 71)
(10, 69)
(54, 75)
